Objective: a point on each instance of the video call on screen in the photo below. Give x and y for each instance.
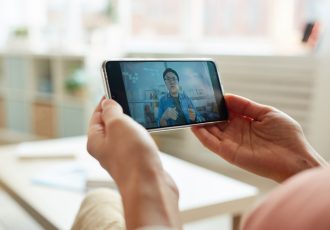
(171, 93)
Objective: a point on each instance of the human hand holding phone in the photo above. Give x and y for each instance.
(127, 151)
(260, 139)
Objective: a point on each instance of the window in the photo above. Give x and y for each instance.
(151, 18)
(158, 25)
(236, 17)
(309, 11)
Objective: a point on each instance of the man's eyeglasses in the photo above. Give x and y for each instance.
(171, 79)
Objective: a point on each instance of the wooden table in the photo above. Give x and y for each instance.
(203, 193)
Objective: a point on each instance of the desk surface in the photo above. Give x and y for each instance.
(203, 193)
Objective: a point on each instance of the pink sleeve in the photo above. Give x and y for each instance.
(302, 202)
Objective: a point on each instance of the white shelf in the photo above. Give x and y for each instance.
(46, 97)
(10, 136)
(33, 93)
(2, 92)
(2, 77)
(47, 54)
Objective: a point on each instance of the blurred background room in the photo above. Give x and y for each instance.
(51, 51)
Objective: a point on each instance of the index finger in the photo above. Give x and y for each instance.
(99, 105)
(96, 115)
(245, 107)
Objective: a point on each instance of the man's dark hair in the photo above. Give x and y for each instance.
(169, 70)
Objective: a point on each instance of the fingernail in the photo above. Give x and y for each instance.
(105, 103)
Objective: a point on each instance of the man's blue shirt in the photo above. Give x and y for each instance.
(167, 101)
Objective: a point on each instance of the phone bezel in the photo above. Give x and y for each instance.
(105, 80)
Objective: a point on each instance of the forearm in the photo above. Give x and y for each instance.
(150, 199)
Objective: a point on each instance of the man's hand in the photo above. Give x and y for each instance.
(192, 114)
(260, 139)
(127, 151)
(170, 113)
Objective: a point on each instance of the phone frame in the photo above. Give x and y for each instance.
(152, 130)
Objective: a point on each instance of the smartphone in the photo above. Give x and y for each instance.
(163, 94)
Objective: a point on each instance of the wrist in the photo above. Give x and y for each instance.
(139, 161)
(163, 121)
(143, 183)
(150, 199)
(144, 171)
(308, 158)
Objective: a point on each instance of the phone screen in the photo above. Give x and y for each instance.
(166, 94)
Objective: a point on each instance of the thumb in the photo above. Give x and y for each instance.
(110, 110)
(245, 107)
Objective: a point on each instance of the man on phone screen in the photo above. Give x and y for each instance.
(175, 108)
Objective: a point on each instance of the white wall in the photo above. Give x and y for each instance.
(320, 123)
